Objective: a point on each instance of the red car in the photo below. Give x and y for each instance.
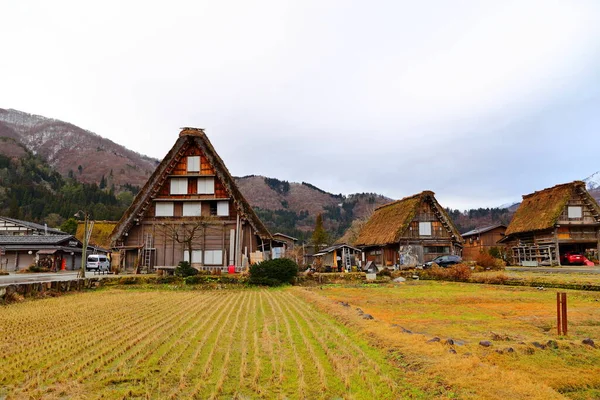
(572, 258)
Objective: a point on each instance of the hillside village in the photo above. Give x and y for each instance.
(192, 209)
(300, 200)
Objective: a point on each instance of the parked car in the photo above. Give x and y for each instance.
(443, 261)
(97, 262)
(572, 258)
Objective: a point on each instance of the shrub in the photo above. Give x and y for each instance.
(385, 272)
(273, 272)
(185, 269)
(497, 279)
(499, 265)
(485, 260)
(458, 272)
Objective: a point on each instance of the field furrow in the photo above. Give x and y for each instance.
(256, 343)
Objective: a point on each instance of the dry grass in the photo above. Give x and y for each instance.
(467, 313)
(188, 344)
(528, 277)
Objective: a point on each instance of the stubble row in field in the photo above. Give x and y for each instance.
(187, 344)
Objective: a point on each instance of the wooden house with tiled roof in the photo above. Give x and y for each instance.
(553, 221)
(409, 231)
(190, 209)
(481, 240)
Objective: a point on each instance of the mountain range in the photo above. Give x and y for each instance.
(288, 207)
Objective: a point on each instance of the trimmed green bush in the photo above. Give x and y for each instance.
(185, 269)
(273, 272)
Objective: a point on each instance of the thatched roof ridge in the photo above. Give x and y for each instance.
(187, 136)
(540, 210)
(390, 221)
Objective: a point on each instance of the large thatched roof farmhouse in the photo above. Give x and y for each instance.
(190, 209)
(409, 231)
(551, 222)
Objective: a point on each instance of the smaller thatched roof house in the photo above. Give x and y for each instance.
(409, 231)
(553, 221)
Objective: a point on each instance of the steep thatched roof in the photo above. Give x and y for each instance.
(540, 210)
(389, 222)
(101, 232)
(187, 137)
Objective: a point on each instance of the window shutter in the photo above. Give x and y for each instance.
(206, 185)
(223, 208)
(178, 185)
(191, 209)
(193, 163)
(164, 209)
(425, 228)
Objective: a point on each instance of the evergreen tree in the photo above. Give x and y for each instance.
(319, 236)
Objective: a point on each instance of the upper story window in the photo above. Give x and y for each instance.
(223, 208)
(575, 212)
(164, 209)
(425, 228)
(193, 164)
(179, 186)
(206, 185)
(191, 209)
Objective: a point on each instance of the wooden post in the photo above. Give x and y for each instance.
(561, 313)
(557, 246)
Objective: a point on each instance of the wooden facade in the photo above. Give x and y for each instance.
(191, 201)
(339, 257)
(409, 232)
(481, 240)
(553, 221)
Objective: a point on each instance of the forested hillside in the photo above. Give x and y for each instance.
(32, 190)
(480, 217)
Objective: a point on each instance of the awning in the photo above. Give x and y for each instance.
(48, 251)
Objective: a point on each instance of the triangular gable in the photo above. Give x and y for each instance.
(391, 221)
(190, 142)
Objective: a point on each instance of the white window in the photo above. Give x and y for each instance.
(575, 212)
(164, 209)
(206, 185)
(193, 163)
(179, 186)
(191, 209)
(425, 228)
(196, 256)
(213, 257)
(223, 208)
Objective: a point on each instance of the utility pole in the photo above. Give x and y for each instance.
(85, 242)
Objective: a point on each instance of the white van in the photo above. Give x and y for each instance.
(97, 262)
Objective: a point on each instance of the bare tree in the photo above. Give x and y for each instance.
(188, 232)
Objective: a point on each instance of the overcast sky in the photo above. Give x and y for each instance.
(479, 101)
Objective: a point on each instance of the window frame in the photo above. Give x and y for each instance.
(203, 188)
(188, 204)
(162, 205)
(176, 186)
(429, 228)
(220, 207)
(193, 164)
(210, 256)
(573, 208)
